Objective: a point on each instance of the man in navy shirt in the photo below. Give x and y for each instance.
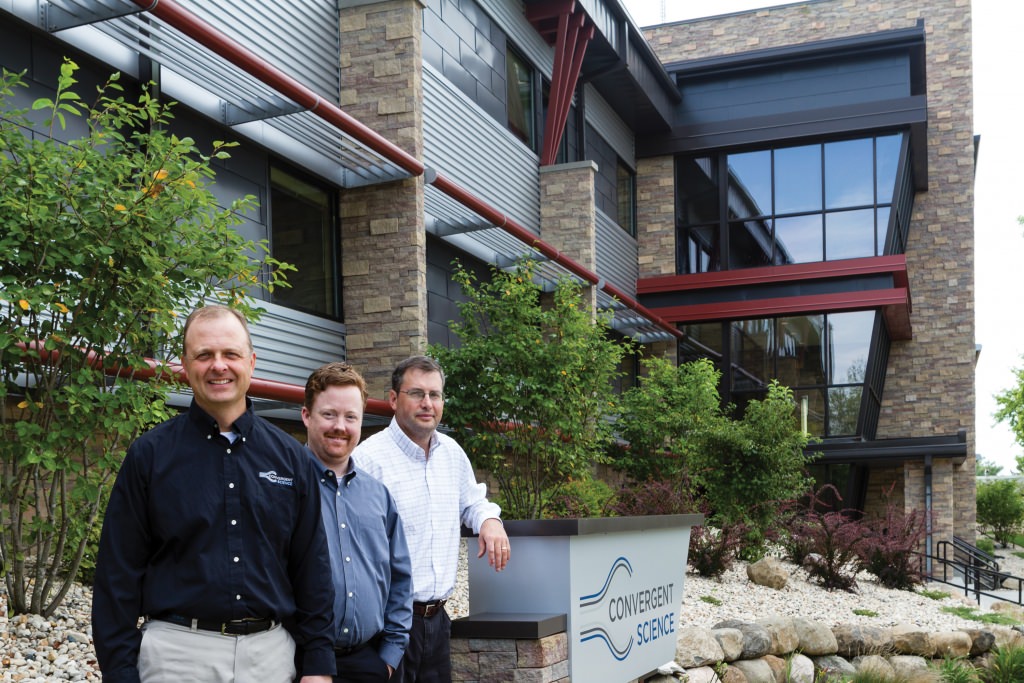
(213, 537)
(369, 557)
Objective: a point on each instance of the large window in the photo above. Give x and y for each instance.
(816, 202)
(823, 358)
(303, 232)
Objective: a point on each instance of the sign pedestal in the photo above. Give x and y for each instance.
(618, 580)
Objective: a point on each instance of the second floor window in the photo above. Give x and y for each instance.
(824, 201)
(520, 77)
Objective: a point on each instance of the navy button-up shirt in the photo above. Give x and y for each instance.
(370, 562)
(205, 527)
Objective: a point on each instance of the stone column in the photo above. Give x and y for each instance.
(382, 228)
(568, 219)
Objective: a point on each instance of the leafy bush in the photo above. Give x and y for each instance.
(890, 546)
(1000, 508)
(655, 497)
(829, 541)
(579, 498)
(529, 383)
(986, 544)
(712, 551)
(957, 670)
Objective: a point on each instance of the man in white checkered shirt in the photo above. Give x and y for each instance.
(433, 483)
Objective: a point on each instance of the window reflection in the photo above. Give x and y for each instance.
(809, 203)
(798, 179)
(849, 234)
(519, 83)
(849, 174)
(750, 184)
(821, 357)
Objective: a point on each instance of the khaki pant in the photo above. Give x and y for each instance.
(172, 654)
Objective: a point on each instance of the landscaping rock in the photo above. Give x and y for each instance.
(769, 572)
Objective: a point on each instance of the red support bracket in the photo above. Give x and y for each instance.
(575, 30)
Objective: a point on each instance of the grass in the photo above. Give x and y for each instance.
(710, 599)
(933, 594)
(986, 618)
(865, 613)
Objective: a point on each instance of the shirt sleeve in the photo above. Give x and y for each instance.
(398, 608)
(313, 588)
(120, 567)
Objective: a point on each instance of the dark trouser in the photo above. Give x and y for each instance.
(428, 657)
(361, 666)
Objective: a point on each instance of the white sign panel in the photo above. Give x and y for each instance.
(626, 592)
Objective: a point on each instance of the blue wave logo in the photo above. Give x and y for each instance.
(599, 633)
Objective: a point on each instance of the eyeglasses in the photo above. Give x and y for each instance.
(419, 395)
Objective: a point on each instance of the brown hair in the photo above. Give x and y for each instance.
(336, 374)
(421, 363)
(214, 311)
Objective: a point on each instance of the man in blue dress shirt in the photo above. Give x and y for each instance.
(213, 536)
(369, 557)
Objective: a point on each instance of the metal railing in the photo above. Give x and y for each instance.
(976, 573)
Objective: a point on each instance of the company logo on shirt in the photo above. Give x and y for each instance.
(272, 477)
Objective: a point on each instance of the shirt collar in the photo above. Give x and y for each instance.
(407, 445)
(203, 420)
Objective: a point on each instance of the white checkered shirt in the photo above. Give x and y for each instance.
(434, 495)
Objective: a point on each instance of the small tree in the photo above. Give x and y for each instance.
(749, 468)
(985, 468)
(105, 240)
(661, 418)
(1000, 508)
(530, 385)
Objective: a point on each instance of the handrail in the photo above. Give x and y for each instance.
(971, 578)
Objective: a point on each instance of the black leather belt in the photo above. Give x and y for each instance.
(428, 609)
(236, 627)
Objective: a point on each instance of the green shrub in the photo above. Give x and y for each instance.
(890, 545)
(865, 613)
(957, 670)
(578, 498)
(986, 544)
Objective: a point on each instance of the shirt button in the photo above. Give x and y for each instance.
(236, 559)
(209, 436)
(234, 522)
(350, 594)
(238, 597)
(344, 526)
(231, 485)
(344, 630)
(229, 450)
(348, 559)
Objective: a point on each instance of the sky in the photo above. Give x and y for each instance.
(998, 53)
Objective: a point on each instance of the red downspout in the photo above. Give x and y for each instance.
(171, 13)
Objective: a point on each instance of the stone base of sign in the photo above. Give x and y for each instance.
(510, 648)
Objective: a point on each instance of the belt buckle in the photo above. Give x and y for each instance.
(223, 629)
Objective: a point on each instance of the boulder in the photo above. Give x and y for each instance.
(982, 640)
(700, 674)
(833, 665)
(801, 669)
(755, 670)
(782, 633)
(952, 644)
(876, 665)
(769, 572)
(910, 640)
(731, 642)
(756, 640)
(853, 640)
(695, 646)
(815, 638)
(908, 667)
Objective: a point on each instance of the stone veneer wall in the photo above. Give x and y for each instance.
(508, 660)
(383, 238)
(929, 386)
(568, 219)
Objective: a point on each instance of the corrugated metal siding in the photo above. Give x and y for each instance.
(291, 344)
(617, 254)
(468, 146)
